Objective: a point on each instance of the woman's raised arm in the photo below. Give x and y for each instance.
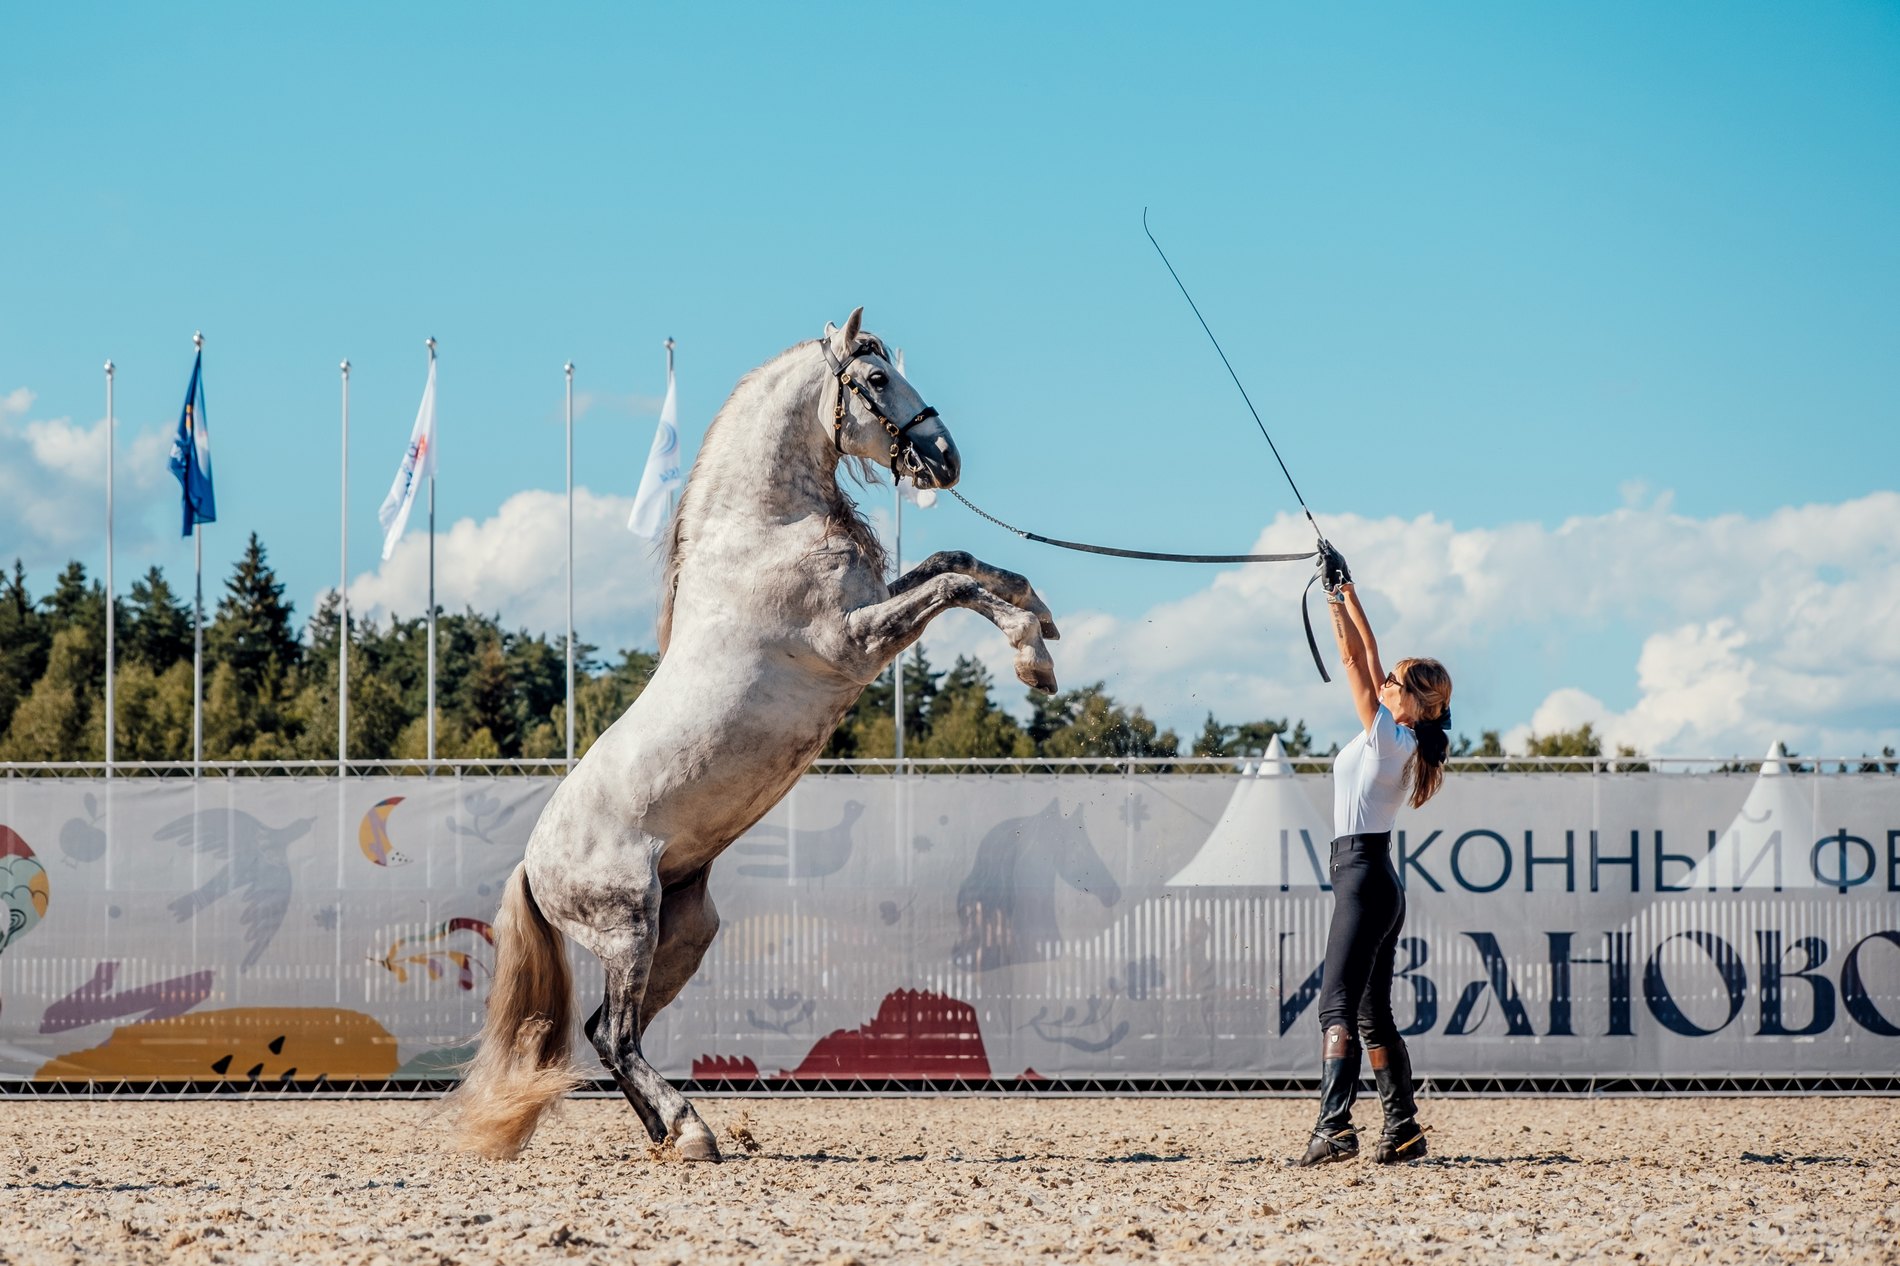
(1359, 660)
(1374, 670)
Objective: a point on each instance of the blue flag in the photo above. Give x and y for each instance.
(191, 453)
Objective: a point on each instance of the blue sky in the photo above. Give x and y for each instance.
(1619, 272)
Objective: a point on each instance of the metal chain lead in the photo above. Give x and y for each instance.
(985, 514)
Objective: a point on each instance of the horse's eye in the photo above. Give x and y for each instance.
(879, 378)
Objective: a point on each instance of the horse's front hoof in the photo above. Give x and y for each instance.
(696, 1143)
(1037, 676)
(1045, 619)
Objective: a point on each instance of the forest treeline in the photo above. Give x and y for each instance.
(271, 688)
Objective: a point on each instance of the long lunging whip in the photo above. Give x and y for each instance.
(1306, 617)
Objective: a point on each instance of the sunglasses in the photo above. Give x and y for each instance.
(1392, 680)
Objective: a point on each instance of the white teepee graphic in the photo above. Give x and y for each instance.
(1263, 837)
(1768, 843)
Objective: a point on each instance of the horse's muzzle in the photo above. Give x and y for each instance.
(931, 462)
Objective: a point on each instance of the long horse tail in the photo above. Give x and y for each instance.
(520, 1069)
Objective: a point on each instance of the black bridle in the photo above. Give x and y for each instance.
(841, 370)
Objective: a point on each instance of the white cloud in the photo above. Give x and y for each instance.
(629, 405)
(1750, 629)
(514, 563)
(53, 479)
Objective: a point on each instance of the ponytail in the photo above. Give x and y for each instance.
(1428, 762)
(1428, 682)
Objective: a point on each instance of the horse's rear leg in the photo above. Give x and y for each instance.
(688, 923)
(626, 955)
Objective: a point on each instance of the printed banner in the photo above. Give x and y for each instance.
(1154, 926)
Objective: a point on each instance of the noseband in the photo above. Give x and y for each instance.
(842, 372)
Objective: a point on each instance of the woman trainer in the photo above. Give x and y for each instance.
(1400, 749)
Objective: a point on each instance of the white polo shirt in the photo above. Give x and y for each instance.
(1369, 777)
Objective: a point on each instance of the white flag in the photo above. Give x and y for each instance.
(418, 464)
(662, 474)
(922, 498)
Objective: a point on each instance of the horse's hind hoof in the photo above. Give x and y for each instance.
(696, 1143)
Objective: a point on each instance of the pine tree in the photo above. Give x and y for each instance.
(77, 604)
(488, 695)
(252, 631)
(1049, 714)
(156, 624)
(965, 721)
(73, 601)
(1213, 739)
(152, 713)
(1251, 738)
(230, 715)
(538, 668)
(51, 723)
(377, 717)
(920, 689)
(1254, 737)
(1098, 726)
(24, 643)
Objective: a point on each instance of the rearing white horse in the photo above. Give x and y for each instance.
(775, 615)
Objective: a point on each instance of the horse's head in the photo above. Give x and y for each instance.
(1076, 860)
(877, 415)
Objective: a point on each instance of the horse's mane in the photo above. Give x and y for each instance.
(843, 517)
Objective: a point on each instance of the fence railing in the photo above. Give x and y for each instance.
(468, 767)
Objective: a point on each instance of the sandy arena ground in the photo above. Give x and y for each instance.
(955, 1180)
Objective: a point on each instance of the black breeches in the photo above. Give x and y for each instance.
(1368, 913)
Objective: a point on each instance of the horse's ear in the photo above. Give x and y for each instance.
(842, 342)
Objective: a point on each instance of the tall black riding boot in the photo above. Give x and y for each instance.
(1334, 1138)
(1402, 1139)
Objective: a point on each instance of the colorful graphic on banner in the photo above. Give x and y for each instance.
(97, 1002)
(373, 835)
(250, 1044)
(25, 893)
(431, 952)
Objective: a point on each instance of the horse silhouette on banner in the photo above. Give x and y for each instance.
(1006, 908)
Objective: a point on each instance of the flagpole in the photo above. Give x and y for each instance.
(570, 563)
(897, 665)
(343, 593)
(198, 624)
(669, 509)
(431, 345)
(112, 597)
(111, 613)
(669, 491)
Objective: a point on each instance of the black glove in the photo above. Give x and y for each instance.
(1333, 569)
